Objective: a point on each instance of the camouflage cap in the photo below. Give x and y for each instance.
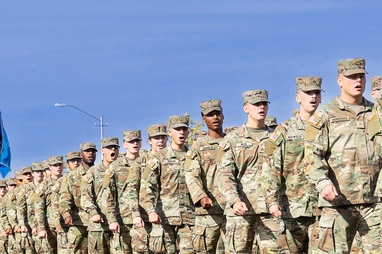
(45, 164)
(271, 121)
(36, 166)
(157, 130)
(3, 183)
(18, 175)
(11, 181)
(87, 145)
(255, 96)
(211, 105)
(110, 141)
(308, 83)
(72, 156)
(56, 159)
(376, 83)
(25, 170)
(351, 66)
(178, 121)
(131, 135)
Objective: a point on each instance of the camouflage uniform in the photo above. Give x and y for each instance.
(11, 213)
(3, 222)
(240, 171)
(166, 193)
(338, 151)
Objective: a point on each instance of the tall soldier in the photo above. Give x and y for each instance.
(240, 170)
(289, 194)
(203, 183)
(342, 163)
(46, 215)
(157, 138)
(121, 169)
(96, 203)
(70, 202)
(165, 196)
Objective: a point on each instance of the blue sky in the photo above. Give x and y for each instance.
(137, 62)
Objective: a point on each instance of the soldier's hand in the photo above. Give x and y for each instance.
(275, 210)
(8, 231)
(69, 221)
(138, 222)
(58, 229)
(329, 192)
(17, 229)
(206, 202)
(34, 231)
(154, 218)
(42, 234)
(96, 218)
(114, 227)
(239, 208)
(23, 229)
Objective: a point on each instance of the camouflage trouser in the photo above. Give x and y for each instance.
(3, 244)
(73, 239)
(171, 239)
(338, 227)
(99, 242)
(26, 243)
(14, 243)
(208, 231)
(252, 234)
(48, 245)
(297, 233)
(130, 240)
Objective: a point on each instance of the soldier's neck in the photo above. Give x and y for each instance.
(215, 134)
(304, 115)
(178, 147)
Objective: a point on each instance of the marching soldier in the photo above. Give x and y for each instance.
(4, 225)
(73, 160)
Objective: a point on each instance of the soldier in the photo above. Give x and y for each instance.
(11, 184)
(19, 179)
(121, 169)
(289, 194)
(70, 202)
(47, 172)
(46, 215)
(341, 161)
(4, 225)
(157, 138)
(96, 203)
(240, 170)
(202, 181)
(376, 85)
(165, 196)
(271, 122)
(73, 160)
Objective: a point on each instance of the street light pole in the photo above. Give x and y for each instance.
(100, 119)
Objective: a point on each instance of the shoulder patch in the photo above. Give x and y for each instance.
(316, 120)
(224, 145)
(109, 172)
(86, 178)
(276, 138)
(152, 163)
(56, 187)
(38, 192)
(190, 154)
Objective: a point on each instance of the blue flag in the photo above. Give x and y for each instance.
(5, 151)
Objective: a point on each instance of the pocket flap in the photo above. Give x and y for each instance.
(198, 230)
(156, 231)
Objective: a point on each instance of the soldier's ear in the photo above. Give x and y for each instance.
(339, 80)
(245, 108)
(298, 99)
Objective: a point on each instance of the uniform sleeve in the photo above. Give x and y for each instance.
(21, 207)
(87, 194)
(66, 200)
(150, 189)
(316, 139)
(31, 210)
(55, 203)
(11, 210)
(133, 187)
(40, 206)
(110, 195)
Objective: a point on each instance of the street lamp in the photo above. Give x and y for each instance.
(100, 119)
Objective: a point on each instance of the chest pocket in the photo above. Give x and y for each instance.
(121, 176)
(208, 156)
(246, 153)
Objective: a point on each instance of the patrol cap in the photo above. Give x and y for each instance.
(87, 145)
(45, 164)
(157, 130)
(72, 156)
(11, 181)
(25, 170)
(178, 121)
(56, 159)
(271, 121)
(211, 105)
(36, 166)
(111, 141)
(376, 82)
(255, 96)
(3, 183)
(17, 175)
(131, 135)
(351, 66)
(308, 83)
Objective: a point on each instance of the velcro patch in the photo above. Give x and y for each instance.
(190, 154)
(224, 145)
(316, 120)
(38, 192)
(152, 163)
(55, 187)
(109, 172)
(86, 178)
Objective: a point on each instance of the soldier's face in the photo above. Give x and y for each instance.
(214, 120)
(374, 94)
(56, 169)
(352, 86)
(158, 142)
(308, 100)
(3, 190)
(38, 175)
(11, 187)
(110, 153)
(89, 156)
(178, 135)
(27, 177)
(73, 163)
(133, 146)
(257, 111)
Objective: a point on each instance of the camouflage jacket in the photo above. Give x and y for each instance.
(95, 200)
(240, 170)
(56, 196)
(201, 174)
(46, 215)
(70, 197)
(24, 208)
(10, 207)
(165, 191)
(4, 224)
(283, 171)
(339, 151)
